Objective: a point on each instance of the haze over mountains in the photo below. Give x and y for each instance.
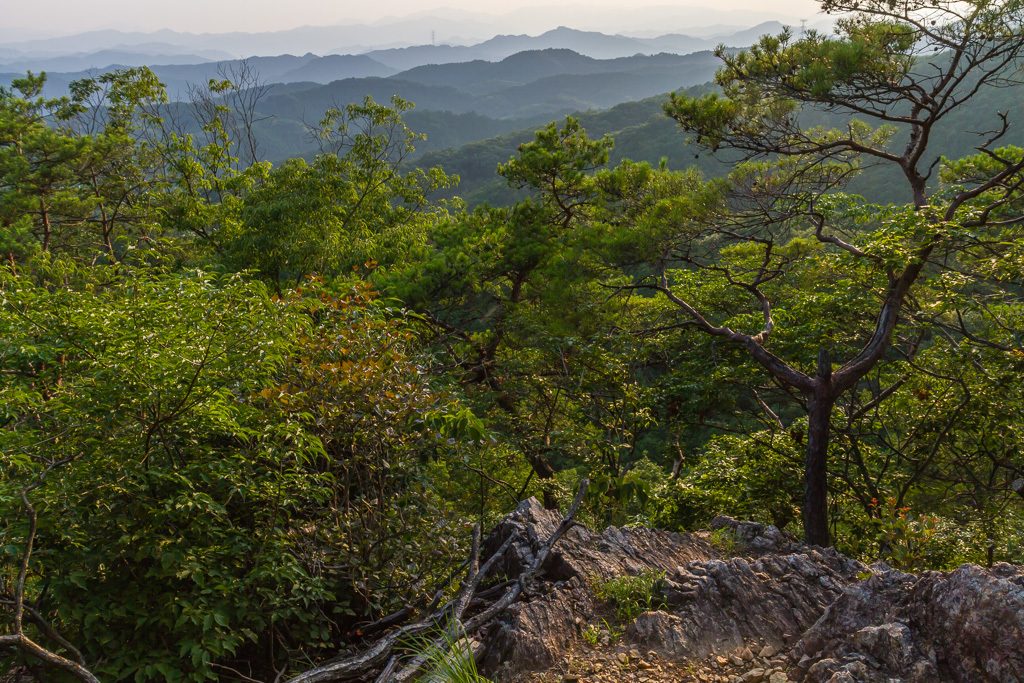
(16, 57)
(463, 92)
(439, 26)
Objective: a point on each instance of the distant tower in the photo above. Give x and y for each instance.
(803, 27)
(433, 37)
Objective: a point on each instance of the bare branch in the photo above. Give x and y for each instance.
(18, 638)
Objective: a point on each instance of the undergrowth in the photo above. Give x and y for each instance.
(448, 659)
(630, 595)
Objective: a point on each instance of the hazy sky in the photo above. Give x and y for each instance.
(66, 16)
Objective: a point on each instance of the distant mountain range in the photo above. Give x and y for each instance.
(159, 49)
(525, 89)
(309, 68)
(588, 43)
(103, 59)
(462, 93)
(525, 84)
(443, 26)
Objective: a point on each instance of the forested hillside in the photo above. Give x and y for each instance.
(253, 415)
(642, 133)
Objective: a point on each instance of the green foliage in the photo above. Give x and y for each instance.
(726, 542)
(630, 595)
(268, 459)
(558, 162)
(67, 192)
(246, 463)
(755, 477)
(354, 204)
(904, 539)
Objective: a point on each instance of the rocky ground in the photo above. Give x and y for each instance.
(746, 603)
(624, 663)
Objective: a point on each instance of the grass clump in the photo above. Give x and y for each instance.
(448, 659)
(726, 542)
(630, 595)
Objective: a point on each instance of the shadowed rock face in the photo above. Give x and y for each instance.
(966, 625)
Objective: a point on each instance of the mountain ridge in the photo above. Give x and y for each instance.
(320, 41)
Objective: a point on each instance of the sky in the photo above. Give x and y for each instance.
(35, 18)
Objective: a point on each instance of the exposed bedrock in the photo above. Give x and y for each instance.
(965, 625)
(751, 583)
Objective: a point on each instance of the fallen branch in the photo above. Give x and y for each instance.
(451, 632)
(380, 658)
(513, 593)
(384, 624)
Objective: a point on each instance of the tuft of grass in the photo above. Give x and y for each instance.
(725, 541)
(631, 595)
(592, 634)
(448, 661)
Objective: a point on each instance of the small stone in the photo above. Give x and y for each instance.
(634, 654)
(778, 677)
(721, 661)
(623, 658)
(643, 665)
(767, 652)
(754, 676)
(746, 654)
(736, 660)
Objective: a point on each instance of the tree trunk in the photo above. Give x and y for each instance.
(46, 225)
(546, 475)
(819, 427)
(816, 470)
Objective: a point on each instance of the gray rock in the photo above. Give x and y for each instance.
(966, 625)
(962, 626)
(715, 605)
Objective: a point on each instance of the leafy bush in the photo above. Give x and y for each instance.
(247, 478)
(726, 541)
(905, 540)
(756, 478)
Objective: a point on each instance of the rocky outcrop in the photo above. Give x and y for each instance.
(747, 602)
(966, 625)
(774, 591)
(770, 592)
(547, 622)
